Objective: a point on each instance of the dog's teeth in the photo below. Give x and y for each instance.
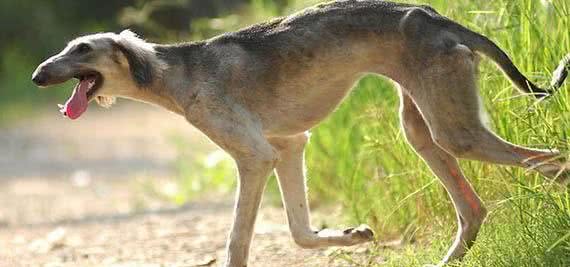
(60, 106)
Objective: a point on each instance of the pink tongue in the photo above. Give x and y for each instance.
(77, 103)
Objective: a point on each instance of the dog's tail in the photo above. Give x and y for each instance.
(488, 48)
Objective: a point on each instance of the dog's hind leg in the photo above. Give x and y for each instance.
(445, 92)
(291, 175)
(470, 211)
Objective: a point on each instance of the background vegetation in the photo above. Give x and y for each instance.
(358, 157)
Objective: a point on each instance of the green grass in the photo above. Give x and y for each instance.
(358, 156)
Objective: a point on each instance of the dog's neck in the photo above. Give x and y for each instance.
(168, 62)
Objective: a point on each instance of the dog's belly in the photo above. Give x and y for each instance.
(308, 88)
(300, 109)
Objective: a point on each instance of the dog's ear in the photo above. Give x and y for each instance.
(132, 47)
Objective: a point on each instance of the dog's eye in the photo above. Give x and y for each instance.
(83, 48)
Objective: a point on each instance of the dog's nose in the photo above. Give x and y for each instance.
(40, 77)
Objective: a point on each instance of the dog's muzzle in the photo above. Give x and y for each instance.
(40, 77)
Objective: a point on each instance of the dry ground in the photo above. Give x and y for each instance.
(70, 196)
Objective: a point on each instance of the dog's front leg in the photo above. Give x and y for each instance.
(239, 133)
(253, 172)
(291, 176)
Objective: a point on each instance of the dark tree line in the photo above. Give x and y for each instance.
(31, 30)
(40, 26)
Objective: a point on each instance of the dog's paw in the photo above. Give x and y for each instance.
(348, 237)
(362, 232)
(558, 172)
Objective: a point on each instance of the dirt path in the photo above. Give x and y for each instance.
(70, 196)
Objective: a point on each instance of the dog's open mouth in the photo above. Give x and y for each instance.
(84, 91)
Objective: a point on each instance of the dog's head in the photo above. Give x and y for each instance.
(105, 64)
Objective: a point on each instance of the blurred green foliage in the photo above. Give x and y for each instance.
(32, 30)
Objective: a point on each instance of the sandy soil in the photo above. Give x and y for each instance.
(71, 196)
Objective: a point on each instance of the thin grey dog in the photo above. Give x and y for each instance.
(258, 91)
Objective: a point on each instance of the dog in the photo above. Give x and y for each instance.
(258, 91)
